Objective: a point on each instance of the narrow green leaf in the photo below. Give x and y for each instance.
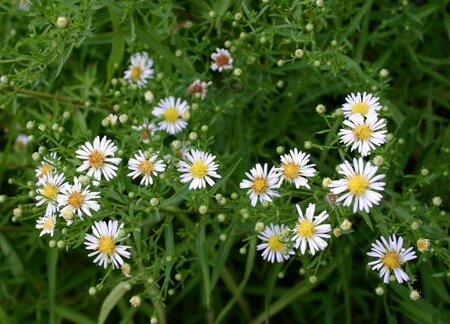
(170, 249)
(366, 218)
(203, 260)
(3, 317)
(224, 179)
(15, 264)
(71, 315)
(52, 262)
(118, 42)
(110, 301)
(222, 257)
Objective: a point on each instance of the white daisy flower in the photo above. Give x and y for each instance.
(171, 110)
(221, 60)
(140, 165)
(99, 158)
(363, 104)
(49, 187)
(199, 87)
(309, 231)
(295, 168)
(261, 183)
(275, 244)
(104, 243)
(75, 199)
(47, 166)
(361, 183)
(146, 130)
(199, 169)
(391, 256)
(364, 134)
(140, 69)
(46, 224)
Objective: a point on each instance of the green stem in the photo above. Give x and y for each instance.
(233, 288)
(248, 271)
(294, 293)
(44, 95)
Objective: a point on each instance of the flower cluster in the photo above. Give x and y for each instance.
(100, 164)
(361, 186)
(98, 160)
(261, 182)
(279, 241)
(361, 183)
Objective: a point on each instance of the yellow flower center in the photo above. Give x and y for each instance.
(136, 73)
(171, 115)
(96, 159)
(49, 191)
(391, 260)
(306, 228)
(48, 224)
(46, 169)
(106, 245)
(146, 166)
(291, 170)
(360, 108)
(199, 169)
(357, 185)
(259, 185)
(75, 199)
(275, 243)
(362, 132)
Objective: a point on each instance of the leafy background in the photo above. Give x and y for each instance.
(54, 70)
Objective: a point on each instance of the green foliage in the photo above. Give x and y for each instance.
(60, 82)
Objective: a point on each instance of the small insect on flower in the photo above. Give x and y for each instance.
(140, 69)
(49, 187)
(171, 111)
(221, 60)
(74, 199)
(261, 183)
(47, 165)
(361, 185)
(362, 104)
(99, 158)
(199, 87)
(275, 244)
(146, 130)
(47, 224)
(309, 231)
(364, 133)
(391, 256)
(104, 243)
(140, 165)
(199, 169)
(295, 168)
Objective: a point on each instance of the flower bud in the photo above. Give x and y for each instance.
(326, 182)
(62, 22)
(135, 301)
(346, 225)
(414, 295)
(299, 53)
(379, 291)
(437, 201)
(203, 209)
